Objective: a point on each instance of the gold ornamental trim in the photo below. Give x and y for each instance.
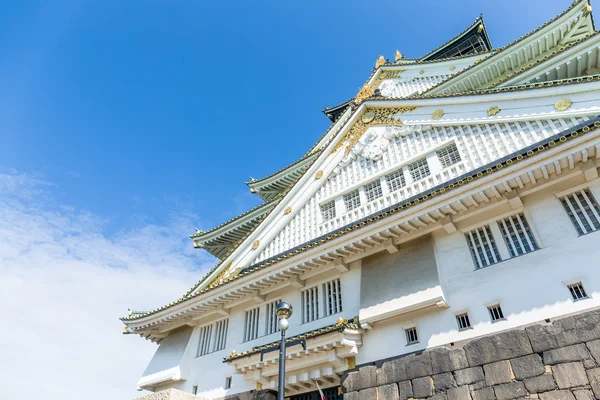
(287, 210)
(452, 68)
(255, 245)
(368, 90)
(319, 174)
(398, 56)
(493, 111)
(563, 104)
(380, 61)
(437, 114)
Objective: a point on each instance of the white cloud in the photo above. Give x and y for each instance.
(63, 284)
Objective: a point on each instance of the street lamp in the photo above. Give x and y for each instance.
(284, 311)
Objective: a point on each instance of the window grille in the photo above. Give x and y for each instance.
(448, 156)
(195, 389)
(251, 325)
(310, 304)
(583, 210)
(221, 334)
(411, 336)
(271, 323)
(577, 291)
(228, 382)
(204, 341)
(395, 180)
(332, 291)
(352, 200)
(419, 169)
(496, 313)
(328, 211)
(517, 235)
(483, 247)
(463, 321)
(373, 190)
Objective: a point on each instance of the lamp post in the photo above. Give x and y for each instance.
(284, 311)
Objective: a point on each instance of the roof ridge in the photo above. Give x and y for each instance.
(478, 20)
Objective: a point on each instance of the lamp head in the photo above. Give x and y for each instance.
(284, 310)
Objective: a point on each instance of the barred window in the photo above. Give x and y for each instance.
(332, 291)
(271, 317)
(496, 313)
(373, 190)
(483, 247)
(583, 211)
(419, 169)
(395, 180)
(448, 155)
(228, 382)
(204, 341)
(251, 324)
(577, 291)
(352, 200)
(463, 321)
(517, 235)
(411, 336)
(221, 334)
(328, 210)
(195, 389)
(310, 304)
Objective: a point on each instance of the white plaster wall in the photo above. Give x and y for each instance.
(170, 352)
(529, 288)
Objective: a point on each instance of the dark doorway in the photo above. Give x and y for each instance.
(330, 394)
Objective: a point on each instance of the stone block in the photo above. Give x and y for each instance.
(368, 394)
(443, 382)
(483, 394)
(583, 394)
(418, 366)
(557, 395)
(594, 348)
(528, 366)
(538, 384)
(589, 363)
(365, 377)
(405, 390)
(392, 371)
(422, 387)
(459, 393)
(468, 375)
(447, 360)
(440, 396)
(351, 396)
(542, 337)
(498, 347)
(579, 328)
(496, 373)
(570, 375)
(594, 379)
(577, 352)
(388, 392)
(508, 391)
(477, 385)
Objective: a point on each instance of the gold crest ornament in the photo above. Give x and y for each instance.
(422, 71)
(398, 56)
(287, 210)
(563, 104)
(587, 10)
(493, 111)
(452, 68)
(437, 114)
(368, 117)
(319, 174)
(480, 28)
(255, 245)
(380, 61)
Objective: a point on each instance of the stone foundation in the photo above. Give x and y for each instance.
(170, 394)
(555, 361)
(254, 395)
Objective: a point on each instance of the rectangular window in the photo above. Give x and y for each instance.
(204, 340)
(419, 169)
(411, 336)
(577, 291)
(395, 180)
(583, 210)
(228, 382)
(251, 324)
(328, 210)
(496, 313)
(332, 291)
(195, 389)
(448, 155)
(352, 200)
(463, 321)
(310, 304)
(221, 334)
(483, 247)
(271, 317)
(517, 235)
(373, 190)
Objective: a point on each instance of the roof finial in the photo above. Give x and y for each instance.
(380, 61)
(398, 56)
(587, 10)
(252, 179)
(480, 28)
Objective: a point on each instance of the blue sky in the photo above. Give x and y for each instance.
(126, 124)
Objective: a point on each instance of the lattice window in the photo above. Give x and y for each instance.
(395, 180)
(419, 169)
(483, 247)
(583, 210)
(517, 235)
(577, 291)
(373, 190)
(448, 155)
(463, 321)
(221, 334)
(332, 291)
(352, 200)
(411, 336)
(328, 210)
(496, 313)
(271, 317)
(251, 324)
(310, 304)
(204, 340)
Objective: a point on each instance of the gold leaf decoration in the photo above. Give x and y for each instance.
(563, 104)
(398, 56)
(587, 10)
(437, 114)
(452, 68)
(255, 245)
(480, 28)
(319, 174)
(287, 210)
(493, 111)
(380, 61)
(364, 93)
(422, 71)
(368, 90)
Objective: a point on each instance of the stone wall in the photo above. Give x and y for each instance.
(170, 394)
(549, 361)
(254, 395)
